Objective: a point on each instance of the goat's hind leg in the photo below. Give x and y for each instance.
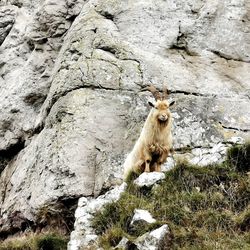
(146, 155)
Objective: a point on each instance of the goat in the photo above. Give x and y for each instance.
(155, 142)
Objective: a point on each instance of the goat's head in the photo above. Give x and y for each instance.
(161, 106)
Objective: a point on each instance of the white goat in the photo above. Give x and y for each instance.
(155, 141)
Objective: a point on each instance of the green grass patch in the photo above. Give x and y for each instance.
(205, 207)
(33, 241)
(239, 157)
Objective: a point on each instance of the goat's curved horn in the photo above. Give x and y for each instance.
(154, 91)
(165, 92)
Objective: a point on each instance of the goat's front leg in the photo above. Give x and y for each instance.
(158, 167)
(147, 166)
(153, 167)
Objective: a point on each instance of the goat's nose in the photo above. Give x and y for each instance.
(163, 117)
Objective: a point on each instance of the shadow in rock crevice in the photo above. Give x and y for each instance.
(7, 155)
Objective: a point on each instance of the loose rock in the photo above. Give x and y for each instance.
(149, 179)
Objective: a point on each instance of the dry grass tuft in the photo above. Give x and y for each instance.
(34, 241)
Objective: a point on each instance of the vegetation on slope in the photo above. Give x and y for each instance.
(205, 207)
(32, 241)
(55, 220)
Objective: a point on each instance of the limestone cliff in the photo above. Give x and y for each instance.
(71, 108)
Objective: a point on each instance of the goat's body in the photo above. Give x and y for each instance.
(152, 147)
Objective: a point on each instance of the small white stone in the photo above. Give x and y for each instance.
(123, 243)
(149, 179)
(142, 215)
(82, 202)
(160, 232)
(152, 240)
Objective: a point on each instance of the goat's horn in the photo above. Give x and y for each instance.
(154, 91)
(165, 92)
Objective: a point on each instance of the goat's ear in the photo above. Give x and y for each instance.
(151, 104)
(171, 103)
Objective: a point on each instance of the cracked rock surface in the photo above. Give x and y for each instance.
(71, 72)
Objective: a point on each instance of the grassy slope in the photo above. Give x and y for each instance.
(205, 207)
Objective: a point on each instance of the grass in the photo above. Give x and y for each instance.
(205, 207)
(59, 215)
(34, 241)
(56, 221)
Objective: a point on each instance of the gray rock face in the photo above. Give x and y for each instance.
(219, 27)
(35, 34)
(7, 19)
(71, 72)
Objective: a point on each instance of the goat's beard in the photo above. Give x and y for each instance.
(163, 123)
